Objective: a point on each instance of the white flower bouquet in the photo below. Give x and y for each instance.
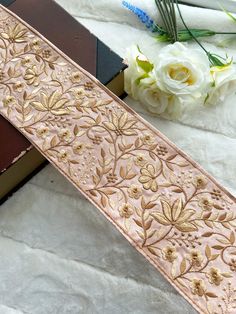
(179, 76)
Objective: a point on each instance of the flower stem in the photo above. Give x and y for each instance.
(185, 25)
(225, 33)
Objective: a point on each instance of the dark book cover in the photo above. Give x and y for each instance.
(18, 159)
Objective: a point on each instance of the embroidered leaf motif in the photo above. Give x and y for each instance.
(183, 266)
(208, 252)
(232, 238)
(211, 295)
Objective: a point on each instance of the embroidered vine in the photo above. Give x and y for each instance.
(173, 212)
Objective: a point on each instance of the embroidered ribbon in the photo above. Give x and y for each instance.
(166, 206)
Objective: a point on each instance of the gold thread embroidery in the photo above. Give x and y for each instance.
(176, 215)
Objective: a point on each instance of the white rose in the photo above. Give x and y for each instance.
(158, 102)
(134, 71)
(224, 84)
(183, 72)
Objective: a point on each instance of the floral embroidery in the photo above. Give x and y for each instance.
(79, 93)
(26, 61)
(196, 258)
(216, 195)
(79, 148)
(2, 75)
(169, 254)
(198, 287)
(54, 103)
(200, 182)
(126, 210)
(134, 192)
(35, 44)
(214, 276)
(18, 87)
(43, 132)
(205, 203)
(140, 160)
(112, 178)
(9, 100)
(75, 77)
(176, 216)
(63, 156)
(46, 54)
(148, 139)
(65, 135)
(120, 124)
(232, 264)
(15, 34)
(148, 178)
(31, 75)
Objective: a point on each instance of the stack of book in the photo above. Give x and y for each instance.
(18, 159)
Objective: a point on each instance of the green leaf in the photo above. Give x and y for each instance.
(145, 65)
(185, 35)
(145, 75)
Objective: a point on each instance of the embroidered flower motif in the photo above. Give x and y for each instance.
(26, 61)
(126, 211)
(148, 178)
(205, 203)
(35, 44)
(196, 258)
(65, 135)
(54, 103)
(43, 132)
(175, 215)
(78, 148)
(32, 76)
(198, 287)
(15, 34)
(200, 182)
(214, 276)
(148, 139)
(63, 156)
(121, 124)
(169, 254)
(8, 101)
(18, 87)
(140, 161)
(75, 77)
(79, 93)
(232, 264)
(134, 192)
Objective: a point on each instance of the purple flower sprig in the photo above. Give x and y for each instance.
(144, 18)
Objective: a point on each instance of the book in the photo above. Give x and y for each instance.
(19, 160)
